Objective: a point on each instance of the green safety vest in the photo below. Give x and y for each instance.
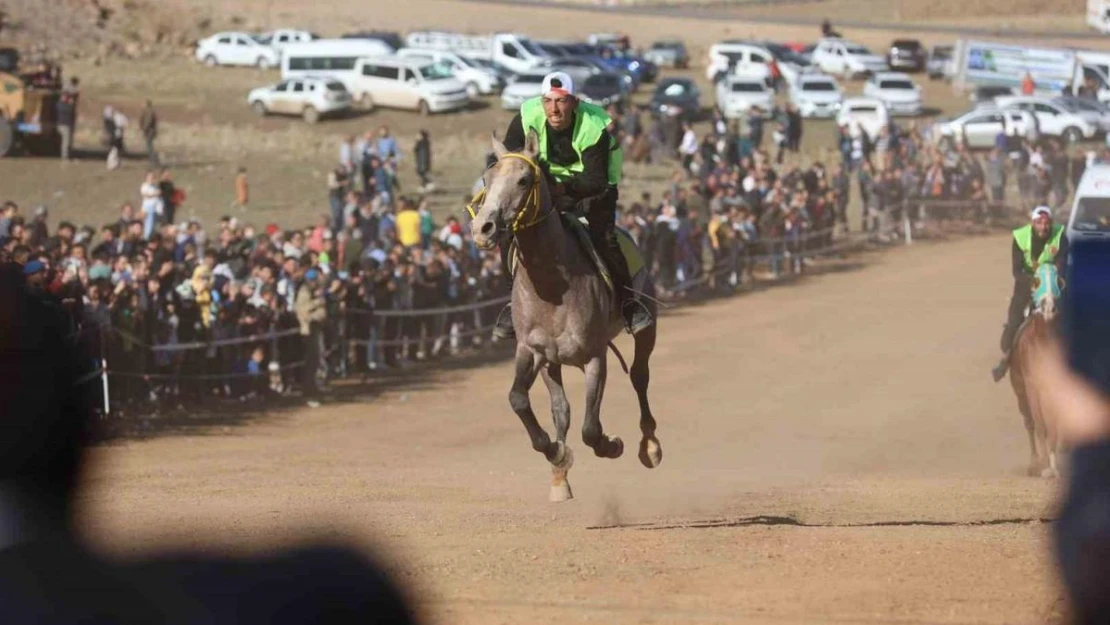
(590, 121)
(1024, 238)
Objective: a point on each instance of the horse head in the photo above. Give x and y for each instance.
(1047, 287)
(514, 196)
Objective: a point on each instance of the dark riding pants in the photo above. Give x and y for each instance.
(1019, 301)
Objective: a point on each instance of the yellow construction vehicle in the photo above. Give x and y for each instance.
(28, 106)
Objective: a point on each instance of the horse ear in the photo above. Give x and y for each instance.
(499, 148)
(532, 144)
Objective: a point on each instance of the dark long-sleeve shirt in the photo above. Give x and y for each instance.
(1017, 258)
(594, 178)
(1083, 533)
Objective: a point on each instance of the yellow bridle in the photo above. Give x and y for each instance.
(531, 203)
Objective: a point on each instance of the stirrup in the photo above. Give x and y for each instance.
(641, 318)
(504, 330)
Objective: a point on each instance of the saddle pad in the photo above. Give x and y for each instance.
(580, 227)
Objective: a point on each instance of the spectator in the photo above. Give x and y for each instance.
(67, 118)
(422, 153)
(311, 315)
(152, 207)
(148, 123)
(995, 175)
(1028, 85)
(242, 190)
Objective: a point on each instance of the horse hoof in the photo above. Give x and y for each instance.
(612, 451)
(560, 492)
(1048, 473)
(564, 459)
(651, 452)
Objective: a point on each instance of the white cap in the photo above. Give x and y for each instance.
(559, 83)
(1041, 210)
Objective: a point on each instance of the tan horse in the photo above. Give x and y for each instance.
(1034, 340)
(563, 313)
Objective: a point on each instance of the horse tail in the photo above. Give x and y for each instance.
(620, 357)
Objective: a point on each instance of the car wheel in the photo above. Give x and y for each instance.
(310, 115)
(1072, 135)
(211, 61)
(263, 63)
(366, 101)
(424, 109)
(259, 108)
(472, 90)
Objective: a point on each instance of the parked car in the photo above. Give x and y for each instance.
(736, 95)
(838, 56)
(816, 95)
(309, 97)
(906, 54)
(680, 93)
(234, 48)
(738, 57)
(941, 62)
(603, 89)
(578, 68)
(984, 95)
(1095, 111)
(282, 37)
(478, 80)
(523, 87)
(388, 37)
(897, 91)
(1053, 119)
(867, 114)
(979, 128)
(668, 53)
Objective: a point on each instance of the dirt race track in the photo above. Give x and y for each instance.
(834, 452)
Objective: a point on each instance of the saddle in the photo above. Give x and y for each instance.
(579, 226)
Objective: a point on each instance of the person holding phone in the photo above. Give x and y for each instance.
(1040, 241)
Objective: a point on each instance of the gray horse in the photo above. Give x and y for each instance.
(563, 314)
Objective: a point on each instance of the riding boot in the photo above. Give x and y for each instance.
(635, 313)
(503, 327)
(1014, 318)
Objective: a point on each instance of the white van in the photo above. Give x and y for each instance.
(395, 82)
(335, 58)
(1090, 211)
(741, 59)
(478, 79)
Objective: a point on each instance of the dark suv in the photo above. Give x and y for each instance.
(906, 55)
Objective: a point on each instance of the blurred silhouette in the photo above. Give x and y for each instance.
(47, 576)
(1082, 531)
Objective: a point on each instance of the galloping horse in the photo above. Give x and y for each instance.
(1032, 341)
(563, 313)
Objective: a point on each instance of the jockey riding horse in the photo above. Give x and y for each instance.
(584, 162)
(1035, 243)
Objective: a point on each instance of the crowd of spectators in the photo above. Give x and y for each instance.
(146, 286)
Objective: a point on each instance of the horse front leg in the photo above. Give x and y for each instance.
(560, 413)
(592, 433)
(651, 452)
(527, 368)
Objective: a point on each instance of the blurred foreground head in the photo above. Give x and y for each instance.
(43, 414)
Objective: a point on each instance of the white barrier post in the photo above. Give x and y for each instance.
(104, 384)
(907, 229)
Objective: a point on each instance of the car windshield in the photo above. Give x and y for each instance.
(665, 45)
(1092, 215)
(818, 85)
(604, 80)
(263, 39)
(465, 61)
(907, 44)
(436, 71)
(864, 109)
(857, 50)
(673, 89)
(942, 53)
(899, 84)
(335, 85)
(747, 87)
(529, 79)
(530, 47)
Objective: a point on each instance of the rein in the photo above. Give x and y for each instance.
(530, 203)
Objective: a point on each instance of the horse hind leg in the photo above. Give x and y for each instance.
(651, 452)
(592, 432)
(560, 412)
